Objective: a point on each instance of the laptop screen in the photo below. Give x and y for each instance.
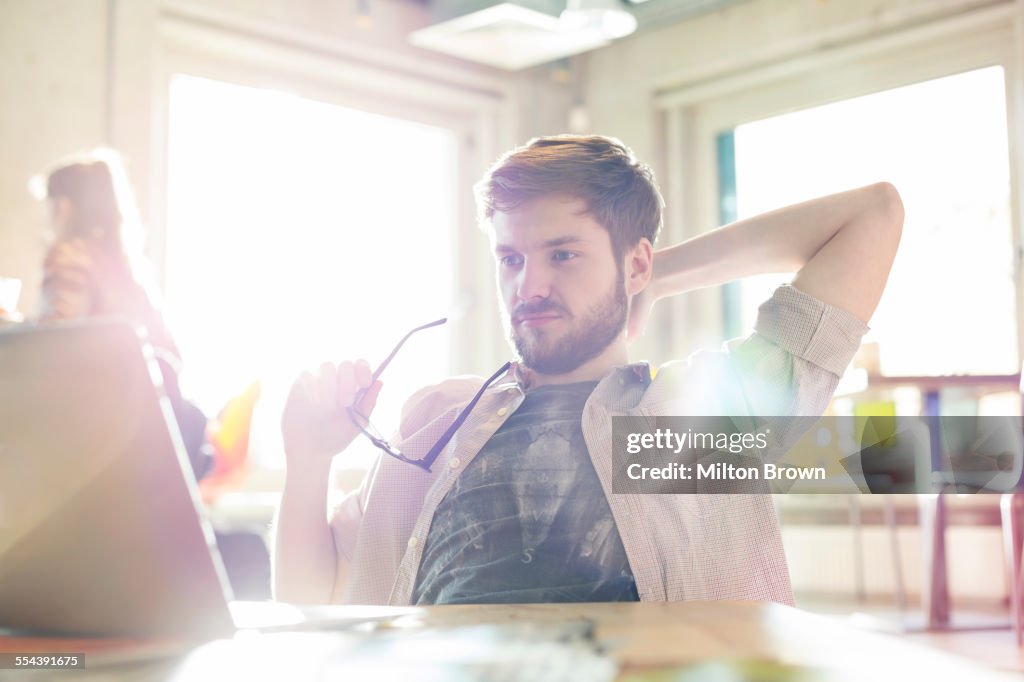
(100, 523)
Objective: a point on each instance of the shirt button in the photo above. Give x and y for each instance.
(455, 462)
(413, 541)
(502, 411)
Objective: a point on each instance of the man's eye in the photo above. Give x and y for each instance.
(511, 260)
(563, 255)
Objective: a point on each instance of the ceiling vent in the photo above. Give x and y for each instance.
(522, 33)
(518, 35)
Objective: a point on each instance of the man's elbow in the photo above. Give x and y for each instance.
(890, 205)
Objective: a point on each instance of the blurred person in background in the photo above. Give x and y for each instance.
(94, 267)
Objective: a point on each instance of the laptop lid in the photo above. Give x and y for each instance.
(100, 524)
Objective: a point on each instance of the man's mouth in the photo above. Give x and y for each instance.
(536, 319)
(530, 320)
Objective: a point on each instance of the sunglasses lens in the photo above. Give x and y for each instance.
(374, 431)
(365, 424)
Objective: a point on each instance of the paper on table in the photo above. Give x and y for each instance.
(531, 653)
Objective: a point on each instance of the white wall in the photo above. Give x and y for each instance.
(79, 73)
(823, 561)
(625, 76)
(53, 95)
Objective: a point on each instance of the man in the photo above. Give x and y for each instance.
(518, 506)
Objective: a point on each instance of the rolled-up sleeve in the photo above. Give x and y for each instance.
(810, 329)
(800, 347)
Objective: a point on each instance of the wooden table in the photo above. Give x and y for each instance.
(647, 641)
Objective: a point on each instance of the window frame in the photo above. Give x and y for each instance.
(478, 109)
(693, 115)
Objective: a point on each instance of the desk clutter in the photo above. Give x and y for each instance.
(515, 652)
(625, 642)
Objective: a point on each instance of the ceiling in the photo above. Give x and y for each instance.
(517, 34)
(650, 14)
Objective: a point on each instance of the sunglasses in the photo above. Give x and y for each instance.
(374, 434)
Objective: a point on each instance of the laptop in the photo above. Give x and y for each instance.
(101, 527)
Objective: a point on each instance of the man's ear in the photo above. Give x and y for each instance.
(639, 266)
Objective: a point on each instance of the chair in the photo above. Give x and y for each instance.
(1011, 507)
(229, 438)
(893, 453)
(1012, 510)
(245, 554)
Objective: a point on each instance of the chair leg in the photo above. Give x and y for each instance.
(1018, 623)
(853, 507)
(1012, 508)
(935, 592)
(894, 548)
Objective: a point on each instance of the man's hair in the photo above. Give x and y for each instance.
(620, 192)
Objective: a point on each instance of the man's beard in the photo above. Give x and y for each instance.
(592, 333)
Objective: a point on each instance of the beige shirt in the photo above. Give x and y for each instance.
(680, 547)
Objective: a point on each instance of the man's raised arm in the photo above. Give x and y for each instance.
(841, 246)
(315, 427)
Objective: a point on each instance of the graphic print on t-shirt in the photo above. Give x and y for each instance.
(527, 521)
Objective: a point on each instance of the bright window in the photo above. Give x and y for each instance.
(950, 304)
(299, 232)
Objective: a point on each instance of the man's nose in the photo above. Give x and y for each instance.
(534, 281)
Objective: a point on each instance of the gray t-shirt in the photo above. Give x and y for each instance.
(527, 521)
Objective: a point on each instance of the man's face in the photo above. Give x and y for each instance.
(560, 284)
